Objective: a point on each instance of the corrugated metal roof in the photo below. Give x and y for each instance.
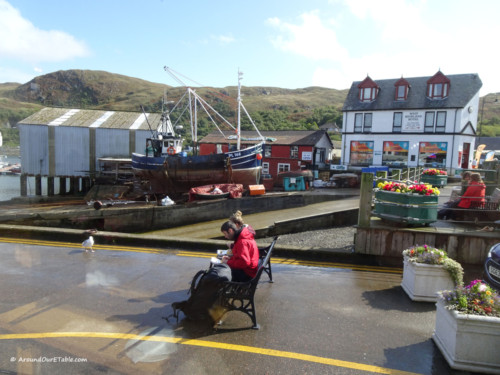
(285, 137)
(92, 118)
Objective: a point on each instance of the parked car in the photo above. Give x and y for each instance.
(492, 267)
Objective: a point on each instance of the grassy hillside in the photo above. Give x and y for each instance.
(271, 108)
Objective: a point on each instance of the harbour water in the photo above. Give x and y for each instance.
(10, 185)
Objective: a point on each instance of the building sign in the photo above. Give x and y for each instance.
(307, 155)
(413, 121)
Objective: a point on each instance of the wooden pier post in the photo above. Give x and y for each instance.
(62, 185)
(396, 174)
(365, 200)
(38, 185)
(412, 174)
(50, 186)
(24, 185)
(382, 175)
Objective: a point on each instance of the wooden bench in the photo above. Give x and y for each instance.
(262, 255)
(239, 296)
(478, 211)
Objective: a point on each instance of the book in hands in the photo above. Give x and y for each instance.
(221, 253)
(214, 260)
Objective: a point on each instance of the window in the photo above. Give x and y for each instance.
(294, 152)
(368, 90)
(395, 153)
(429, 122)
(283, 167)
(367, 126)
(368, 94)
(267, 151)
(401, 92)
(363, 122)
(397, 121)
(320, 155)
(402, 89)
(361, 153)
(219, 148)
(438, 86)
(265, 168)
(432, 154)
(441, 121)
(358, 123)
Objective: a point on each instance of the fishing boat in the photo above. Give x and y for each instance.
(170, 170)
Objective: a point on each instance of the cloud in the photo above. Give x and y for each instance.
(311, 38)
(8, 74)
(23, 41)
(401, 38)
(223, 39)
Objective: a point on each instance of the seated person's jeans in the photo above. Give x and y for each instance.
(239, 275)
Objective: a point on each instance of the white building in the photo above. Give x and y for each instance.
(421, 121)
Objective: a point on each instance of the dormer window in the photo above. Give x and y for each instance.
(402, 89)
(438, 86)
(368, 90)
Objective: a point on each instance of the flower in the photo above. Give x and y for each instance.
(431, 255)
(434, 172)
(415, 188)
(477, 298)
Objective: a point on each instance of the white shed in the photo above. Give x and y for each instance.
(61, 142)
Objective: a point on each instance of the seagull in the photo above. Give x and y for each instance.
(88, 243)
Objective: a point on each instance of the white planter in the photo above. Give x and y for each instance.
(468, 342)
(422, 281)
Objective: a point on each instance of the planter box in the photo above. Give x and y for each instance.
(422, 281)
(434, 180)
(406, 208)
(468, 342)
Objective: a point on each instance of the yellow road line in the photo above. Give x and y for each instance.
(211, 344)
(78, 246)
(197, 254)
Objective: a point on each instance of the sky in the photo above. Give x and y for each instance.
(275, 43)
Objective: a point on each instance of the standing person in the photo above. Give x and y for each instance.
(245, 259)
(476, 192)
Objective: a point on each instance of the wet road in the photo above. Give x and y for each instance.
(65, 311)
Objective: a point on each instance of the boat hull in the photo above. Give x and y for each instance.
(246, 165)
(177, 174)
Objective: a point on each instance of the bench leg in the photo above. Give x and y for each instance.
(269, 272)
(253, 316)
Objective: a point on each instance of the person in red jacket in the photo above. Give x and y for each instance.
(475, 192)
(245, 259)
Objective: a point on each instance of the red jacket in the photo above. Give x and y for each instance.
(475, 192)
(245, 253)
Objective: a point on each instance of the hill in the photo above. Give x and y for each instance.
(103, 90)
(271, 108)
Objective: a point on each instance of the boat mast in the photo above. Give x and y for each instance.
(238, 134)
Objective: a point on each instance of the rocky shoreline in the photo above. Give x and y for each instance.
(10, 151)
(338, 238)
